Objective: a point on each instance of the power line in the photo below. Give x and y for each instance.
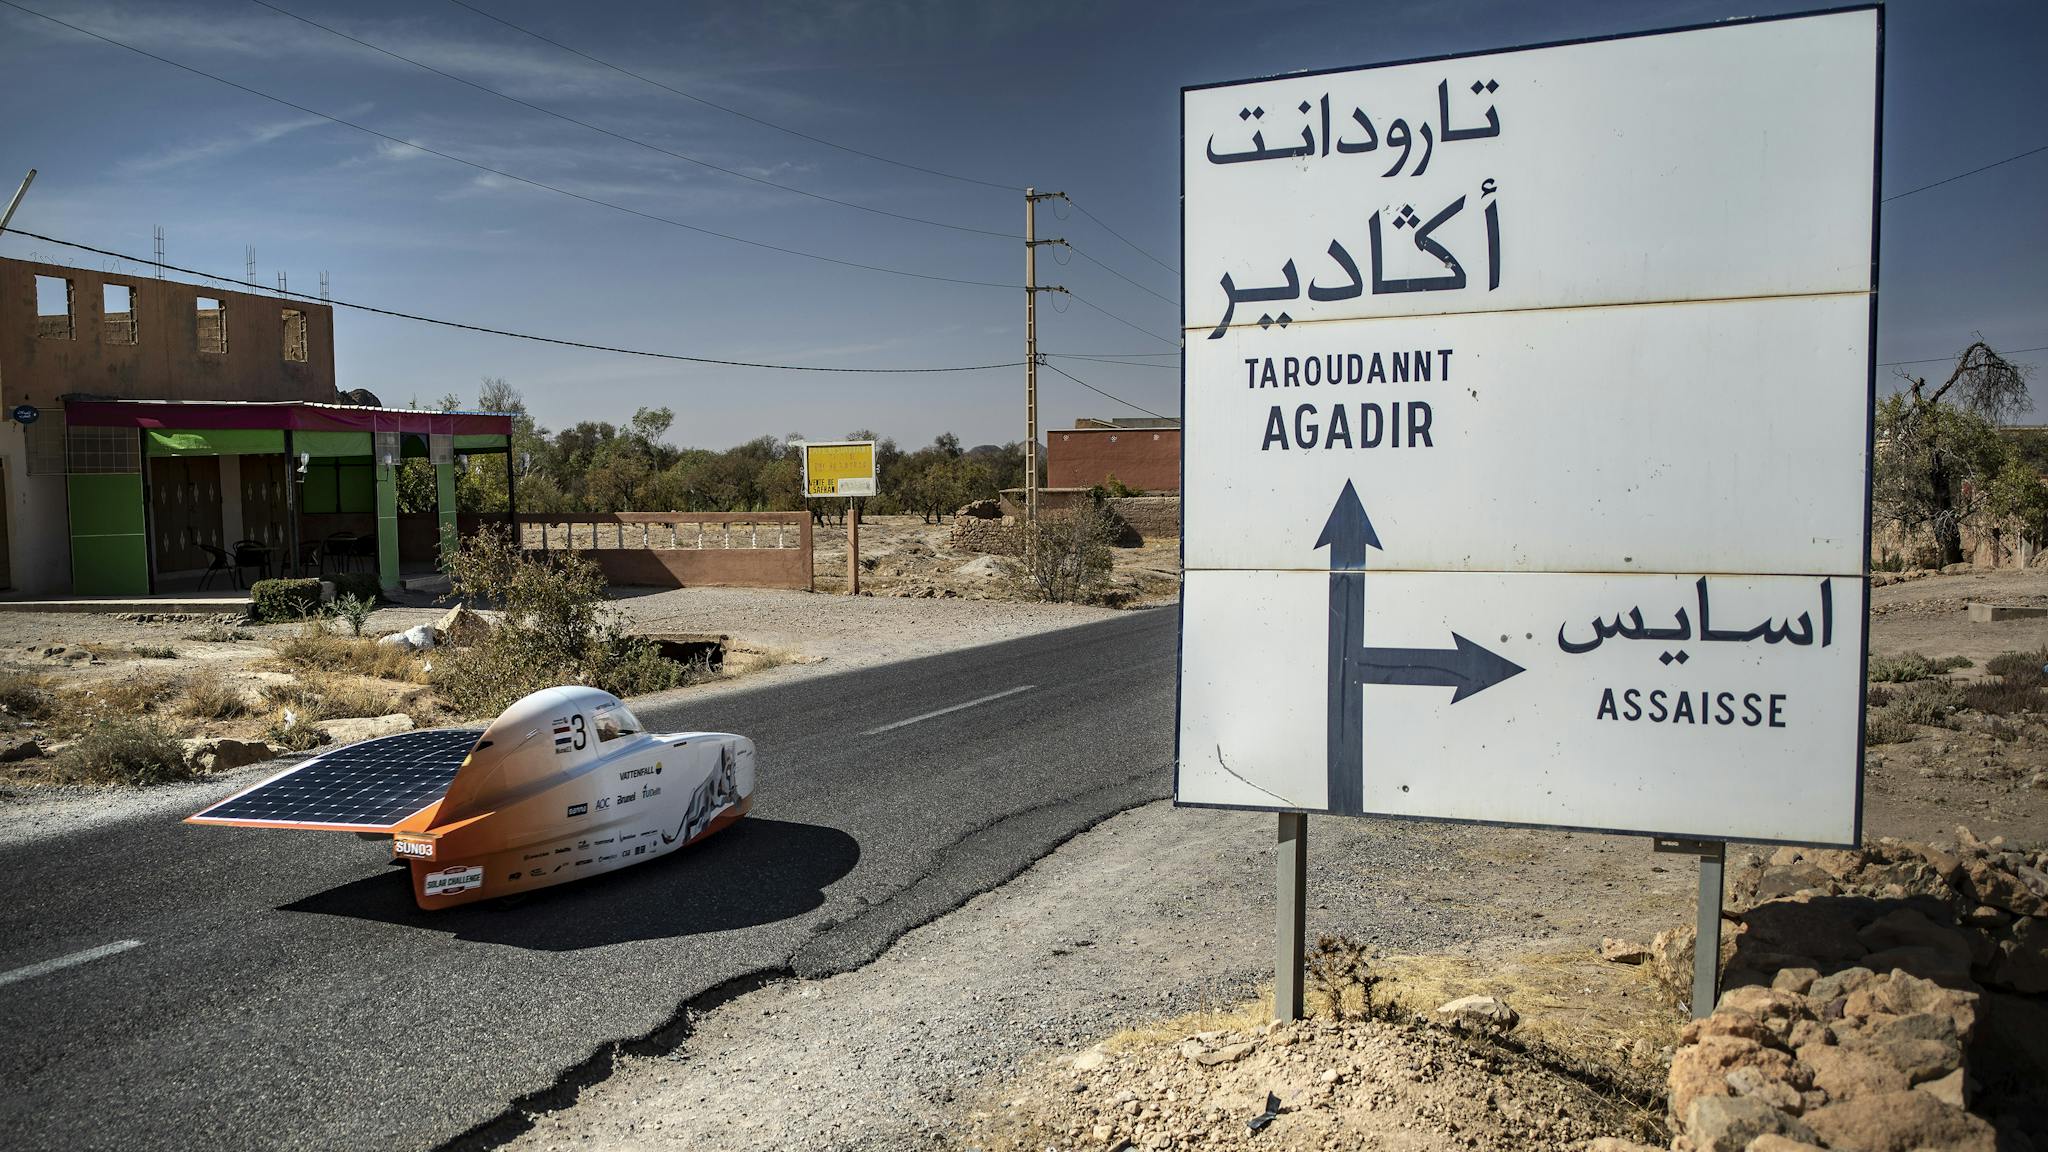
(1119, 363)
(1951, 359)
(1075, 249)
(622, 136)
(732, 111)
(1120, 355)
(558, 190)
(1113, 232)
(488, 331)
(1084, 300)
(1960, 175)
(1112, 396)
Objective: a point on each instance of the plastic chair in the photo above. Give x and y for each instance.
(253, 554)
(221, 562)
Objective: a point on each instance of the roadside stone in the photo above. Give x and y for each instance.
(459, 627)
(1750, 1081)
(1839, 984)
(17, 748)
(1211, 1057)
(1795, 980)
(2001, 889)
(1900, 1122)
(1923, 1046)
(2023, 957)
(1729, 1123)
(1484, 1015)
(1090, 1061)
(219, 754)
(1702, 1068)
(1776, 1142)
(1623, 951)
(1846, 1074)
(1949, 1089)
(1816, 931)
(350, 730)
(418, 638)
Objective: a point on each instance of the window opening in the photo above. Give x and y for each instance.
(53, 307)
(295, 335)
(211, 318)
(117, 313)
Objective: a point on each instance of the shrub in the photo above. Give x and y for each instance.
(1063, 558)
(1910, 666)
(124, 751)
(155, 651)
(24, 696)
(362, 585)
(354, 611)
(1875, 697)
(2020, 667)
(557, 628)
(2002, 696)
(211, 696)
(291, 732)
(317, 698)
(1925, 702)
(1881, 728)
(273, 600)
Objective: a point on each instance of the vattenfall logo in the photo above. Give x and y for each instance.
(630, 773)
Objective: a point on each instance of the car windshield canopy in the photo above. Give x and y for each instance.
(614, 721)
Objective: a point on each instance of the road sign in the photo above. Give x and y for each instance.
(1527, 409)
(839, 468)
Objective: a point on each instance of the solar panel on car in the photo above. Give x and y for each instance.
(372, 785)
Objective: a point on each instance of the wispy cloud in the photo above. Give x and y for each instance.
(211, 148)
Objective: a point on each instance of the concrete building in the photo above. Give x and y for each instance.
(1144, 454)
(153, 425)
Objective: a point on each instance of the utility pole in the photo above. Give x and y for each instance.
(1031, 290)
(8, 217)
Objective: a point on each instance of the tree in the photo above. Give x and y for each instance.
(1940, 457)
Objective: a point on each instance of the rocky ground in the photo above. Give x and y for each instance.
(904, 556)
(1105, 998)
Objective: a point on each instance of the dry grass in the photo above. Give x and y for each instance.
(315, 698)
(208, 695)
(1231, 1018)
(114, 698)
(122, 751)
(314, 649)
(26, 695)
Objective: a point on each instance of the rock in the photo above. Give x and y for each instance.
(19, 747)
(1617, 1144)
(459, 627)
(418, 638)
(1948, 1089)
(1845, 1074)
(2022, 964)
(1947, 966)
(1905, 927)
(1483, 1015)
(1817, 931)
(1729, 1123)
(1924, 1045)
(1750, 1081)
(1775, 1142)
(219, 754)
(1091, 1060)
(1701, 1069)
(981, 510)
(1839, 984)
(348, 731)
(1623, 951)
(1211, 1057)
(2001, 889)
(1903, 994)
(1900, 1122)
(1795, 980)
(1787, 879)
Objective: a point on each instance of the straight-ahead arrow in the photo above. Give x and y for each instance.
(1347, 534)
(1465, 667)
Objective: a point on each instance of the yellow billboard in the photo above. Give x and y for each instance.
(840, 468)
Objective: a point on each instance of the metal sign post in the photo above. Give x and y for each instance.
(1706, 949)
(1290, 903)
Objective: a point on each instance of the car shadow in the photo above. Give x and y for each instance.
(755, 872)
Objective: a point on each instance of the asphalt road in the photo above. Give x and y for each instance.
(283, 991)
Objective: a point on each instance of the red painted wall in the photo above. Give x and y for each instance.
(1147, 459)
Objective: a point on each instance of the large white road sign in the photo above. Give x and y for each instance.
(1527, 401)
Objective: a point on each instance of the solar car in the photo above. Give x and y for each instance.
(565, 784)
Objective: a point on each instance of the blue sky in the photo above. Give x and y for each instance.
(1081, 97)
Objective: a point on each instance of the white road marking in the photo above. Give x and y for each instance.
(85, 957)
(954, 708)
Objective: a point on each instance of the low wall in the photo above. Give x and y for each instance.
(1154, 517)
(682, 549)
